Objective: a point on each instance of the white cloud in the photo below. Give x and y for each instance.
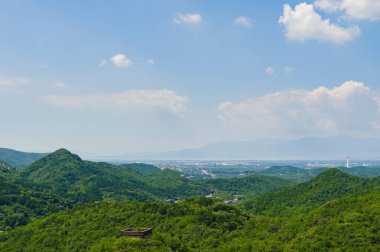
(353, 9)
(12, 81)
(243, 21)
(60, 84)
(304, 23)
(350, 107)
(121, 61)
(269, 70)
(128, 100)
(103, 63)
(188, 18)
(289, 70)
(151, 61)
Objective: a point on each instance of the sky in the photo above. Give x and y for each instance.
(126, 76)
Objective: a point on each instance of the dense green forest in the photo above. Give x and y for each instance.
(297, 174)
(63, 203)
(329, 185)
(61, 180)
(203, 224)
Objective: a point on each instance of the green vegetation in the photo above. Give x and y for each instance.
(247, 186)
(327, 186)
(5, 168)
(63, 203)
(18, 159)
(292, 173)
(20, 205)
(300, 174)
(61, 180)
(203, 225)
(144, 169)
(362, 171)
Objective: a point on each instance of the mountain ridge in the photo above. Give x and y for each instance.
(308, 148)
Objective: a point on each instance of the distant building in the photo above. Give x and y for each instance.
(137, 232)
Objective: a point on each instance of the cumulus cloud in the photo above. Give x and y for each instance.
(350, 107)
(304, 23)
(353, 9)
(121, 61)
(128, 100)
(188, 18)
(12, 81)
(269, 71)
(243, 21)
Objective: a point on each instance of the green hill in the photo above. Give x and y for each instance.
(68, 175)
(18, 159)
(144, 169)
(300, 174)
(291, 173)
(61, 180)
(247, 186)
(328, 185)
(347, 224)
(20, 205)
(362, 171)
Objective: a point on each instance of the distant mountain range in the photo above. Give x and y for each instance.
(18, 159)
(311, 148)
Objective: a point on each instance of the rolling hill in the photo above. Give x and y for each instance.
(18, 159)
(291, 173)
(68, 175)
(247, 186)
(300, 174)
(329, 185)
(143, 169)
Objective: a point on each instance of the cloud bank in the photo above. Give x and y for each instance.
(146, 100)
(350, 107)
(188, 18)
(12, 81)
(303, 23)
(353, 9)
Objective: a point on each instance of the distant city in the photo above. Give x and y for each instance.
(228, 168)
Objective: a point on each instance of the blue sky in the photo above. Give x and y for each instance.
(113, 77)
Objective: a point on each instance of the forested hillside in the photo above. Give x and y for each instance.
(18, 159)
(61, 180)
(203, 225)
(301, 174)
(144, 169)
(246, 186)
(20, 205)
(63, 203)
(329, 185)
